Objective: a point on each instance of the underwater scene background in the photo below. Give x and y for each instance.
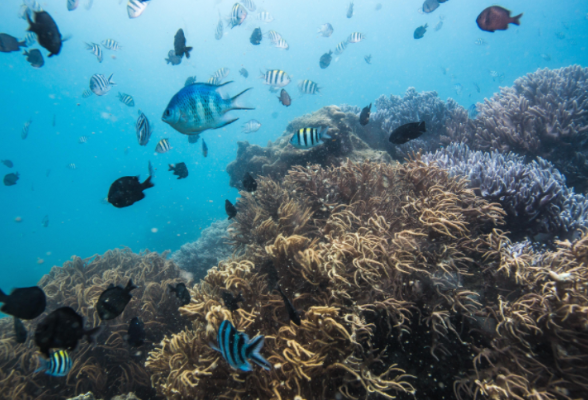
(451, 266)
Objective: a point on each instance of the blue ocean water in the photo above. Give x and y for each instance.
(174, 212)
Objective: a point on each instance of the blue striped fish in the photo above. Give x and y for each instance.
(95, 49)
(30, 39)
(163, 146)
(275, 78)
(238, 15)
(58, 364)
(126, 99)
(111, 44)
(199, 107)
(213, 80)
(143, 129)
(264, 16)
(340, 47)
(308, 87)
(86, 93)
(306, 138)
(237, 349)
(356, 37)
(136, 7)
(100, 85)
(221, 73)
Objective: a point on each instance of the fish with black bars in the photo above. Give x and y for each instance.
(238, 350)
(58, 364)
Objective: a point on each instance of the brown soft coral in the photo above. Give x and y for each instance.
(112, 366)
(348, 244)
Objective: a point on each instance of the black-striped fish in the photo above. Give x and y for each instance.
(72, 4)
(100, 85)
(340, 47)
(111, 44)
(282, 44)
(306, 138)
(275, 78)
(237, 349)
(58, 364)
(249, 4)
(143, 129)
(355, 37)
(163, 146)
(136, 7)
(25, 129)
(213, 80)
(95, 49)
(83, 139)
(86, 93)
(30, 39)
(308, 87)
(219, 32)
(264, 16)
(126, 99)
(238, 15)
(274, 36)
(221, 74)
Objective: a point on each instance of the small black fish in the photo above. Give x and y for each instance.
(8, 163)
(193, 139)
(127, 190)
(136, 334)
(249, 184)
(62, 329)
(181, 292)
(325, 60)
(112, 301)
(20, 331)
(180, 45)
(204, 149)
(256, 36)
(47, 32)
(10, 179)
(364, 116)
(231, 301)
(285, 98)
(179, 169)
(420, 31)
(35, 58)
(407, 132)
(24, 303)
(172, 58)
(496, 18)
(293, 313)
(230, 209)
(244, 73)
(10, 43)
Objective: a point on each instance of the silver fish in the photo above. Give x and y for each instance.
(251, 126)
(275, 78)
(111, 44)
(143, 129)
(100, 85)
(96, 50)
(30, 39)
(355, 37)
(238, 15)
(136, 7)
(264, 16)
(308, 87)
(274, 36)
(281, 44)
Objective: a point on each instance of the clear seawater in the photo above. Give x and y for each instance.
(174, 212)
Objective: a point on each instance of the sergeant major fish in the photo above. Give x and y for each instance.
(111, 44)
(58, 364)
(96, 50)
(136, 7)
(264, 16)
(199, 107)
(355, 37)
(340, 48)
(237, 349)
(219, 32)
(238, 15)
(307, 138)
(308, 87)
(249, 4)
(275, 78)
(126, 99)
(143, 129)
(100, 85)
(163, 146)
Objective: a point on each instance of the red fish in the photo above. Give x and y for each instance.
(496, 18)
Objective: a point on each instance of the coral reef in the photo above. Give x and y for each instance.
(112, 366)
(210, 248)
(544, 114)
(395, 111)
(374, 255)
(278, 157)
(534, 195)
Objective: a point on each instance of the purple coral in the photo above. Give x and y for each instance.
(534, 195)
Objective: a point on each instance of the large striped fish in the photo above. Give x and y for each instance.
(163, 146)
(136, 7)
(58, 364)
(199, 107)
(306, 138)
(275, 78)
(237, 349)
(238, 15)
(308, 87)
(100, 85)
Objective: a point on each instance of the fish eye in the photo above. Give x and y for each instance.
(167, 113)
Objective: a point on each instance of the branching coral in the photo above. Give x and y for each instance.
(210, 248)
(534, 195)
(544, 114)
(112, 366)
(356, 248)
(347, 141)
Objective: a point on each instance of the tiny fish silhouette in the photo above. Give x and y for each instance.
(231, 301)
(407, 132)
(181, 292)
(364, 117)
(136, 334)
(249, 184)
(230, 209)
(496, 18)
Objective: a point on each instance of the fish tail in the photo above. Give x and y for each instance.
(110, 80)
(23, 44)
(187, 51)
(3, 297)
(234, 102)
(171, 168)
(323, 133)
(422, 125)
(252, 351)
(130, 286)
(44, 364)
(145, 185)
(515, 20)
